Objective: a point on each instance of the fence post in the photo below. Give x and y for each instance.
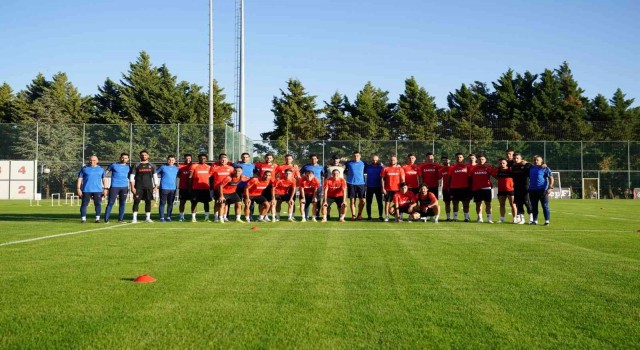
(178, 148)
(396, 148)
(433, 146)
(582, 165)
(544, 150)
(37, 139)
(323, 152)
(84, 145)
(130, 142)
(629, 163)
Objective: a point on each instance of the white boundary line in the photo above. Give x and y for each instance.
(60, 235)
(425, 228)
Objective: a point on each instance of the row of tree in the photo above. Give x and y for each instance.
(145, 94)
(546, 106)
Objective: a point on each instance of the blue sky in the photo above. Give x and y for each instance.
(328, 44)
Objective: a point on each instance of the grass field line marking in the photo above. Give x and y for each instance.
(591, 215)
(61, 235)
(426, 229)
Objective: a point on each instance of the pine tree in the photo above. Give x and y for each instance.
(108, 104)
(416, 112)
(373, 114)
(468, 107)
(338, 118)
(6, 99)
(139, 88)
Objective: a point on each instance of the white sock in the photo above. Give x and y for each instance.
(206, 216)
(97, 217)
(435, 218)
(247, 217)
(502, 218)
(342, 216)
(193, 215)
(84, 218)
(182, 215)
(466, 216)
(215, 216)
(135, 215)
(148, 215)
(260, 217)
(455, 216)
(489, 217)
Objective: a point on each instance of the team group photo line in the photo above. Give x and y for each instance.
(411, 188)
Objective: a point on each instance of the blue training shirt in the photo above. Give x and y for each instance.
(355, 172)
(91, 178)
(317, 169)
(168, 174)
(247, 170)
(373, 175)
(119, 174)
(539, 178)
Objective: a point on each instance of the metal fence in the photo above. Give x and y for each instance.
(64, 148)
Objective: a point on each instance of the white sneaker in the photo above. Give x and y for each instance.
(134, 221)
(314, 219)
(303, 219)
(479, 220)
(217, 220)
(489, 222)
(239, 220)
(273, 220)
(521, 222)
(292, 220)
(194, 220)
(435, 221)
(148, 220)
(221, 221)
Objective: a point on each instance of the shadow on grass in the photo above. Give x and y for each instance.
(127, 279)
(42, 216)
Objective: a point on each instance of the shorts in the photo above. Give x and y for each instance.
(434, 190)
(118, 192)
(483, 195)
(404, 209)
(266, 193)
(258, 199)
(338, 200)
(414, 190)
(216, 195)
(201, 196)
(446, 195)
(505, 193)
(144, 194)
(389, 196)
(285, 197)
(355, 191)
(424, 212)
(460, 194)
(232, 198)
(308, 198)
(185, 194)
(240, 192)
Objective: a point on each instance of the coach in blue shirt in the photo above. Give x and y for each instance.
(540, 185)
(119, 186)
(91, 185)
(168, 185)
(354, 170)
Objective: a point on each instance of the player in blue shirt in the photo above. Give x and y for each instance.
(119, 186)
(374, 185)
(91, 185)
(540, 185)
(318, 172)
(168, 175)
(248, 170)
(354, 170)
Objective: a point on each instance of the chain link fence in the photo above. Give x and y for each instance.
(64, 148)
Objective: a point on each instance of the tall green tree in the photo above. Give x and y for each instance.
(373, 114)
(6, 100)
(416, 112)
(109, 108)
(339, 119)
(296, 116)
(468, 106)
(139, 87)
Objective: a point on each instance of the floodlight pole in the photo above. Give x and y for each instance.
(241, 98)
(211, 79)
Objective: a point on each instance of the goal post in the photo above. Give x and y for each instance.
(558, 192)
(590, 188)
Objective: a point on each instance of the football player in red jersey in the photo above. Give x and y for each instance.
(427, 205)
(459, 184)
(412, 173)
(391, 177)
(219, 172)
(285, 191)
(184, 170)
(335, 191)
(481, 187)
(257, 190)
(229, 190)
(445, 170)
(404, 201)
(505, 188)
(309, 188)
(430, 173)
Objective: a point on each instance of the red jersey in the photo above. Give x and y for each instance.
(230, 184)
(219, 174)
(257, 186)
(426, 200)
(184, 170)
(505, 179)
(262, 167)
(459, 175)
(309, 186)
(411, 174)
(481, 177)
(284, 186)
(281, 168)
(445, 173)
(335, 187)
(404, 199)
(430, 174)
(393, 176)
(200, 176)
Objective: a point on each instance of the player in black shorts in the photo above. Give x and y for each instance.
(144, 182)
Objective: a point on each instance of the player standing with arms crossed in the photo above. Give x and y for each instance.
(168, 175)
(91, 185)
(144, 183)
(119, 188)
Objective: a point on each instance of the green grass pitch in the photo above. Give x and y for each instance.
(574, 284)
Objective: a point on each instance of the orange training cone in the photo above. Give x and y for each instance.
(255, 228)
(144, 279)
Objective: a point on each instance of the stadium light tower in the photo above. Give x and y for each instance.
(211, 155)
(241, 77)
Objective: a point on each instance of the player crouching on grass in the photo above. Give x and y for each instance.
(256, 192)
(309, 185)
(404, 201)
(229, 190)
(335, 191)
(285, 191)
(427, 205)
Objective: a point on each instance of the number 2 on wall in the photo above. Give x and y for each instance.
(22, 189)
